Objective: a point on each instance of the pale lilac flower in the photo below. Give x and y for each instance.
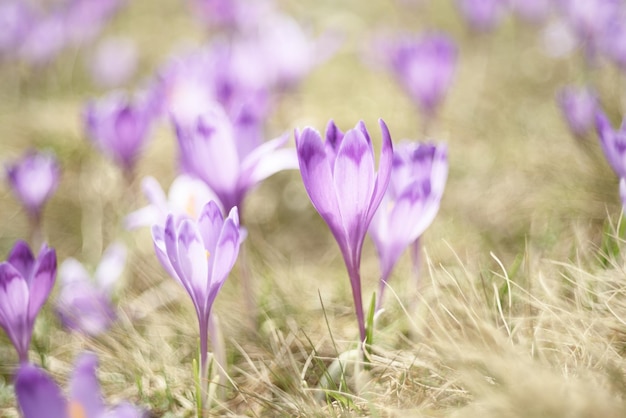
(45, 40)
(210, 151)
(119, 127)
(186, 196)
(85, 19)
(84, 304)
(39, 396)
(418, 178)
(113, 62)
(424, 67)
(340, 178)
(482, 15)
(199, 255)
(578, 106)
(16, 20)
(25, 283)
(34, 179)
(229, 15)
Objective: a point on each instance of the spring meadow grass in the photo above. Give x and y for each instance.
(520, 307)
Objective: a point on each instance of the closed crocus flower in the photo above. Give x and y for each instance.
(424, 67)
(410, 204)
(39, 396)
(210, 151)
(84, 303)
(579, 107)
(199, 254)
(34, 178)
(25, 283)
(340, 178)
(187, 196)
(613, 143)
(119, 127)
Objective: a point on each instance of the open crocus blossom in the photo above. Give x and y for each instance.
(34, 178)
(418, 178)
(199, 255)
(613, 145)
(25, 283)
(187, 195)
(119, 127)
(39, 396)
(340, 178)
(84, 304)
(210, 151)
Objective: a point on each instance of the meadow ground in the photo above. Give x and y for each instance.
(520, 309)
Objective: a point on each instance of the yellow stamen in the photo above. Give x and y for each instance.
(191, 206)
(208, 254)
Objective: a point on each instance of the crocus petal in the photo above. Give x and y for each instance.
(84, 386)
(43, 280)
(189, 195)
(193, 258)
(153, 192)
(14, 296)
(226, 252)
(110, 267)
(317, 177)
(37, 394)
(384, 172)
(267, 160)
(72, 271)
(158, 237)
(21, 257)
(146, 216)
(210, 224)
(354, 182)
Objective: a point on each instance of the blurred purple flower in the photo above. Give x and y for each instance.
(119, 127)
(418, 178)
(199, 255)
(85, 19)
(482, 15)
(340, 178)
(25, 283)
(228, 15)
(16, 20)
(187, 196)
(113, 62)
(613, 145)
(210, 151)
(45, 40)
(589, 20)
(84, 304)
(424, 67)
(34, 179)
(39, 396)
(578, 106)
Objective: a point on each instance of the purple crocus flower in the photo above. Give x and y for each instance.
(579, 107)
(39, 396)
(33, 179)
(25, 283)
(199, 255)
(45, 40)
(424, 67)
(187, 196)
(16, 19)
(84, 304)
(340, 178)
(418, 178)
(613, 145)
(482, 15)
(113, 62)
(210, 151)
(119, 127)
